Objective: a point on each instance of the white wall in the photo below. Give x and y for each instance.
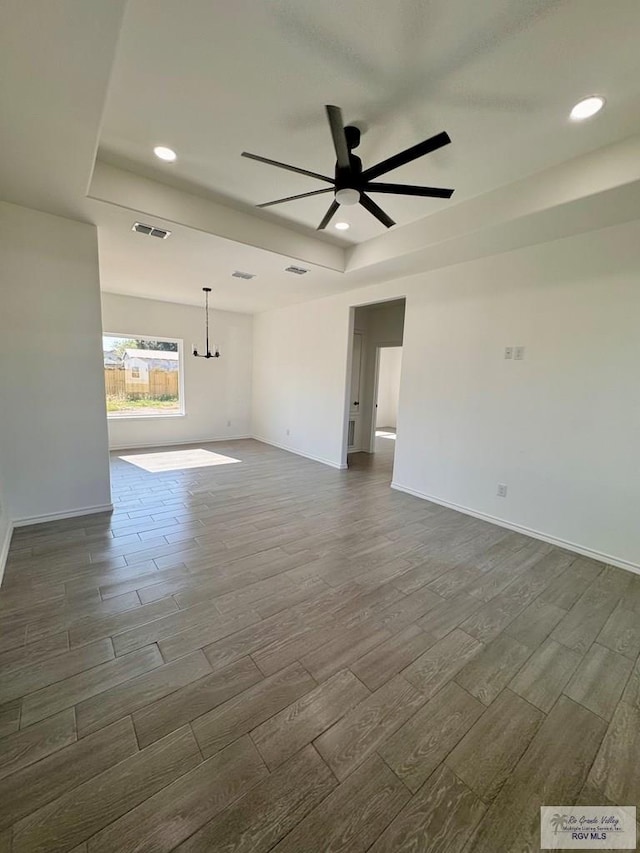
(561, 428)
(54, 455)
(390, 364)
(217, 391)
(299, 378)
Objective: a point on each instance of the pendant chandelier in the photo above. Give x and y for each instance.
(208, 353)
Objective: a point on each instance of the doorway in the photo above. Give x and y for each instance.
(373, 380)
(384, 418)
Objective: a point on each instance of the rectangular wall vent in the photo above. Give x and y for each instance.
(296, 270)
(150, 230)
(245, 275)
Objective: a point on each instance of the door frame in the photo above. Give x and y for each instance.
(350, 328)
(346, 414)
(357, 414)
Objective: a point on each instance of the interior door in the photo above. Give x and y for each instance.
(355, 426)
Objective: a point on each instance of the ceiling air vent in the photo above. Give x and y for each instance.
(150, 230)
(245, 275)
(296, 270)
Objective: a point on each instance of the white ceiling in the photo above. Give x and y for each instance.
(211, 78)
(55, 62)
(176, 269)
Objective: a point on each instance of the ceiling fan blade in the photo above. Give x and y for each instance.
(326, 219)
(376, 211)
(334, 114)
(286, 166)
(407, 156)
(294, 197)
(409, 189)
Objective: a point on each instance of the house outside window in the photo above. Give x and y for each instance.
(143, 376)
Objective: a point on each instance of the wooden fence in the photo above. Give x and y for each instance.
(114, 381)
(162, 383)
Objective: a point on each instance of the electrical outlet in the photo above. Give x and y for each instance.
(502, 490)
(288, 433)
(508, 352)
(228, 423)
(518, 353)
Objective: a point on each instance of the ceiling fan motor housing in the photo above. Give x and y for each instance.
(352, 134)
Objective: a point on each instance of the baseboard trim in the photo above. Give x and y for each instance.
(60, 516)
(527, 531)
(300, 453)
(147, 446)
(4, 549)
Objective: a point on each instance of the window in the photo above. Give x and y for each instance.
(143, 376)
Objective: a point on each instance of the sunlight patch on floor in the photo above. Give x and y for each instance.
(177, 460)
(381, 433)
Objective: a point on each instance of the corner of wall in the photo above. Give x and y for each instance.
(6, 531)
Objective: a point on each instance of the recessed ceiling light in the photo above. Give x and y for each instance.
(342, 226)
(587, 107)
(167, 154)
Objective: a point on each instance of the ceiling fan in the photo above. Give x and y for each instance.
(351, 184)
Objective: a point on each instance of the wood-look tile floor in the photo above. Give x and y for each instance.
(274, 655)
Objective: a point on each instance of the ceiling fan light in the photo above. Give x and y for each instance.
(587, 107)
(347, 196)
(342, 226)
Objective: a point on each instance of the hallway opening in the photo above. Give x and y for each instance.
(374, 385)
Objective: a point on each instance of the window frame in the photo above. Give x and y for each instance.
(181, 391)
